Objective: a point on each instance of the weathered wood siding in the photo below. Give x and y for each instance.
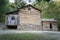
(46, 26)
(29, 17)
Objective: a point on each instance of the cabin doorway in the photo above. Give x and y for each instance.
(11, 27)
(51, 26)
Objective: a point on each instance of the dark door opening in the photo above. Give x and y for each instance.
(50, 25)
(11, 27)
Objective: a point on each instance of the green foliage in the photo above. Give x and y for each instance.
(20, 3)
(49, 10)
(3, 9)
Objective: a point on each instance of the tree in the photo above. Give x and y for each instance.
(49, 10)
(3, 9)
(19, 3)
(58, 14)
(16, 5)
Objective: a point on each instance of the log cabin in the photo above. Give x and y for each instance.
(29, 18)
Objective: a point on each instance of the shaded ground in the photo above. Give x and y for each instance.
(29, 35)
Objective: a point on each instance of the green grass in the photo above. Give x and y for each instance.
(26, 36)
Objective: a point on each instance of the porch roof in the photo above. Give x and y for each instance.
(49, 19)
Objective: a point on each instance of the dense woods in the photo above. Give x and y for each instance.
(3, 4)
(50, 9)
(5, 7)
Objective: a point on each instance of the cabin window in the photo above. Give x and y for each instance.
(12, 18)
(50, 25)
(24, 8)
(29, 8)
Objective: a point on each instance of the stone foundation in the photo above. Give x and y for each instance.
(30, 27)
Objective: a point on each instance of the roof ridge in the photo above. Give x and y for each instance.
(24, 7)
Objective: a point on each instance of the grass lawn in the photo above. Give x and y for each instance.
(27, 36)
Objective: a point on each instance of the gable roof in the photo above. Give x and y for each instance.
(29, 6)
(22, 8)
